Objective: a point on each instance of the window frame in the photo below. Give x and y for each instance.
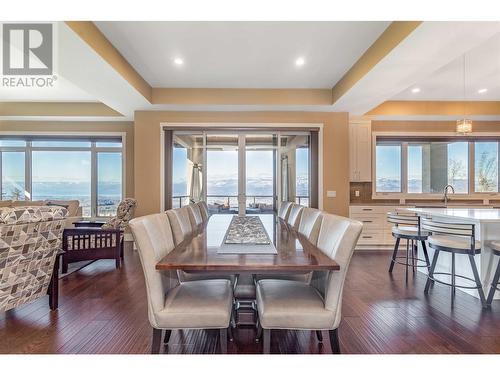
(93, 138)
(412, 138)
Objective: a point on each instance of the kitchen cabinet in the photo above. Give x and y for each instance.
(360, 151)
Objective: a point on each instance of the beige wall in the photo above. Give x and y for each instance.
(147, 150)
(83, 126)
(431, 126)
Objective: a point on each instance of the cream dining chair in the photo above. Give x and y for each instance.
(310, 222)
(284, 210)
(195, 216)
(202, 205)
(200, 304)
(294, 216)
(180, 223)
(294, 305)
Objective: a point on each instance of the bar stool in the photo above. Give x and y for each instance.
(495, 247)
(407, 227)
(457, 239)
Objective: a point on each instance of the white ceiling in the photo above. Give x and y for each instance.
(242, 54)
(482, 70)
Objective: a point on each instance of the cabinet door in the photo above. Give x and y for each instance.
(353, 167)
(364, 151)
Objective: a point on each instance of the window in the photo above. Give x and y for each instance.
(486, 167)
(13, 175)
(63, 175)
(388, 168)
(432, 164)
(109, 182)
(88, 170)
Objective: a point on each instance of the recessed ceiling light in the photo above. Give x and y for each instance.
(482, 91)
(178, 61)
(300, 61)
(415, 90)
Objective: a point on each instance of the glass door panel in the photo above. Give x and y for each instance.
(260, 184)
(294, 168)
(222, 173)
(187, 169)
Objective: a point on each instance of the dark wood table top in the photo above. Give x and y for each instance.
(294, 252)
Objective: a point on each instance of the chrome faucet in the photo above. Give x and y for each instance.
(445, 193)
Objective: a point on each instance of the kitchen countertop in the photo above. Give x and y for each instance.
(470, 214)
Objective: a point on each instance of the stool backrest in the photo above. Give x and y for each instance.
(408, 219)
(443, 228)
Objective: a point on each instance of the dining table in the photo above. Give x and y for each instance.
(212, 249)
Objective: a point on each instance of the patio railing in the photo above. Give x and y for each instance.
(229, 203)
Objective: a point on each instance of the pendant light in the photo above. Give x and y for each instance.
(464, 125)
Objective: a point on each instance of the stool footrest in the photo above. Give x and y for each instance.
(456, 285)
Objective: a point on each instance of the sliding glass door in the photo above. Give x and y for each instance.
(239, 172)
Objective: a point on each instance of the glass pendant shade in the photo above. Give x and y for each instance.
(464, 126)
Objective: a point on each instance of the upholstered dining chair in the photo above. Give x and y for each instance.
(180, 223)
(200, 304)
(310, 222)
(293, 305)
(104, 242)
(294, 216)
(284, 210)
(203, 210)
(195, 216)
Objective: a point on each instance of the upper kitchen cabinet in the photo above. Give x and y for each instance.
(360, 151)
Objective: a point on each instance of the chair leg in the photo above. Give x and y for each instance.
(478, 281)
(155, 345)
(319, 335)
(453, 278)
(223, 340)
(117, 262)
(267, 341)
(394, 254)
(426, 255)
(122, 247)
(494, 284)
(64, 265)
(407, 258)
(431, 271)
(334, 341)
(258, 336)
(166, 338)
(53, 289)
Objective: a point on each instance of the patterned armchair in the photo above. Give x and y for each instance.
(30, 243)
(104, 242)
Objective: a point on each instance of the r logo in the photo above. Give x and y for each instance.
(27, 49)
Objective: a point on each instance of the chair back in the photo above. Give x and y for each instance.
(294, 215)
(30, 239)
(337, 239)
(284, 210)
(203, 210)
(310, 223)
(195, 215)
(124, 213)
(180, 223)
(154, 240)
(448, 229)
(405, 219)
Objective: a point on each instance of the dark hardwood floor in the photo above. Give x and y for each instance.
(103, 310)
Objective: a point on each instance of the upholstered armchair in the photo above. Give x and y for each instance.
(104, 242)
(30, 244)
